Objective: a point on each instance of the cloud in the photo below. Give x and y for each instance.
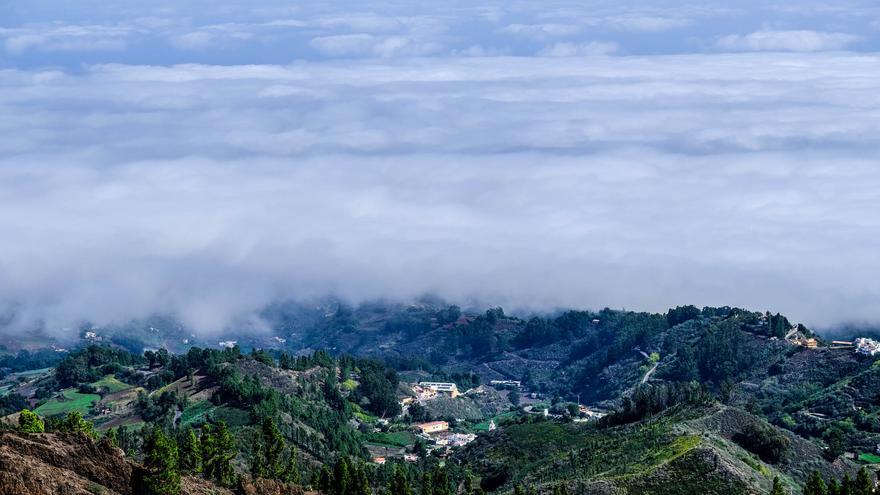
(789, 41)
(542, 30)
(162, 158)
(579, 49)
(65, 38)
(206, 192)
(356, 45)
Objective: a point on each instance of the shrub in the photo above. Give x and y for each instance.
(765, 442)
(30, 422)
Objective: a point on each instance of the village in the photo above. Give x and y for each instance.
(441, 437)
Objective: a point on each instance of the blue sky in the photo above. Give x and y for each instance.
(205, 158)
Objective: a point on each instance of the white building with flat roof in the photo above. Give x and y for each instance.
(448, 388)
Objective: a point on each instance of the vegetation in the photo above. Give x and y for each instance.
(235, 416)
(161, 464)
(29, 422)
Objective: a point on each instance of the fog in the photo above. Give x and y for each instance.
(152, 175)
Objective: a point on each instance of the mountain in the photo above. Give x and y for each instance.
(711, 400)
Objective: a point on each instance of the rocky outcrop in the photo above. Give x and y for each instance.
(55, 464)
(47, 464)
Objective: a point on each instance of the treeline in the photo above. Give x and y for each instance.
(863, 484)
(26, 360)
(650, 400)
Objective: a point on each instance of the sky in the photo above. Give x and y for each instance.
(203, 159)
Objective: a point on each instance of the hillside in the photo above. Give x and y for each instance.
(592, 402)
(673, 453)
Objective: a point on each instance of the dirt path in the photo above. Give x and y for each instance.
(649, 373)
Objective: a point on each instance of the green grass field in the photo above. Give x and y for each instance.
(111, 384)
(869, 458)
(395, 439)
(232, 416)
(72, 401)
(196, 412)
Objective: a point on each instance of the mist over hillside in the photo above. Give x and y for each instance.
(156, 160)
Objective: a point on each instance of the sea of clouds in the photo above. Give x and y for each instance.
(203, 159)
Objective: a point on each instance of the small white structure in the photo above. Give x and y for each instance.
(505, 383)
(461, 439)
(448, 388)
(229, 344)
(868, 347)
(432, 427)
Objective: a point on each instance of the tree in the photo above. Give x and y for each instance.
(325, 480)
(30, 422)
(833, 487)
(418, 413)
(815, 485)
(513, 396)
(427, 483)
(777, 487)
(441, 482)
(758, 438)
(863, 484)
(161, 464)
(218, 451)
(341, 477)
(74, 423)
(399, 483)
(191, 452)
(360, 484)
(291, 470)
(112, 437)
(835, 437)
(267, 460)
(846, 485)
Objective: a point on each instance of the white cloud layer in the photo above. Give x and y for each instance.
(644, 182)
(165, 157)
(788, 41)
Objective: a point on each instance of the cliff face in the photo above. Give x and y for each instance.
(50, 464)
(53, 464)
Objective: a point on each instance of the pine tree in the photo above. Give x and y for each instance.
(291, 470)
(399, 483)
(341, 477)
(863, 485)
(441, 482)
(518, 490)
(30, 422)
(208, 450)
(74, 423)
(846, 485)
(815, 485)
(360, 482)
(223, 470)
(427, 483)
(834, 487)
(112, 437)
(325, 480)
(218, 451)
(190, 452)
(267, 460)
(161, 465)
(777, 487)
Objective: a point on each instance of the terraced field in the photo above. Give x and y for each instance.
(69, 401)
(111, 385)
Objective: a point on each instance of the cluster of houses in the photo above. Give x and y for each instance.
(861, 345)
(429, 390)
(868, 347)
